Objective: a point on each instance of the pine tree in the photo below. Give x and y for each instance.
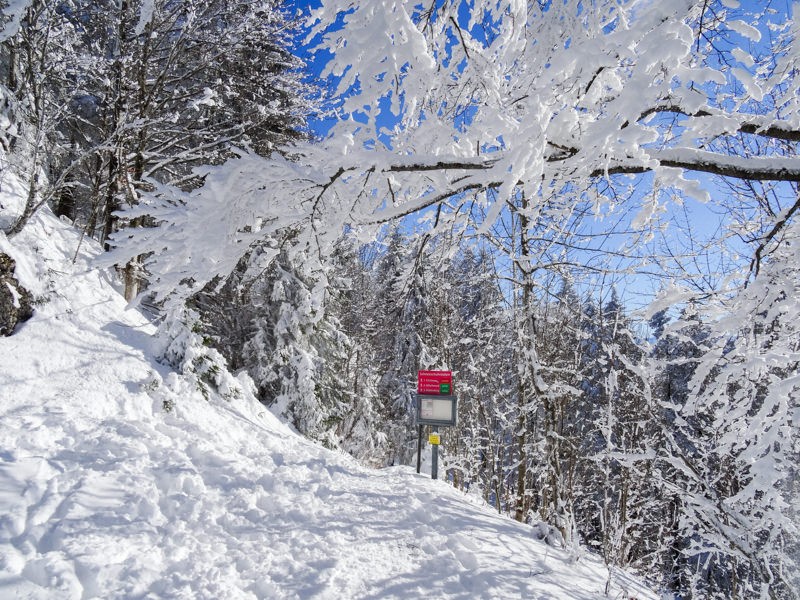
(481, 357)
(623, 510)
(360, 431)
(395, 328)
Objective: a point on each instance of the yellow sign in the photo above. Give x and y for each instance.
(434, 439)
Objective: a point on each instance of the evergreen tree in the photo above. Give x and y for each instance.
(481, 356)
(361, 431)
(623, 509)
(397, 319)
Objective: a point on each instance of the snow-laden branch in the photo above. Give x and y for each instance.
(714, 123)
(537, 100)
(546, 97)
(703, 161)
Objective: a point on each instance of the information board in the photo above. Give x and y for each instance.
(438, 383)
(436, 410)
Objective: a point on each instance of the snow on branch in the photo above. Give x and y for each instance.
(552, 95)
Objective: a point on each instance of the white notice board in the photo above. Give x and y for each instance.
(436, 410)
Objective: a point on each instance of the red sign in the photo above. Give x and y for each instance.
(438, 383)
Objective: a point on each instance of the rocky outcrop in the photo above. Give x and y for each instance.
(15, 301)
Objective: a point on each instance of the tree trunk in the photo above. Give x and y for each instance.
(520, 507)
(526, 383)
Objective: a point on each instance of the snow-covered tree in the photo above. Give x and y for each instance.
(629, 522)
(361, 431)
(560, 411)
(273, 325)
(40, 70)
(113, 98)
(397, 322)
(735, 444)
(551, 101)
(481, 355)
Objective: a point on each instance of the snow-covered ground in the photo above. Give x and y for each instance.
(104, 494)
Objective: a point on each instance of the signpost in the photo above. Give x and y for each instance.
(435, 383)
(436, 406)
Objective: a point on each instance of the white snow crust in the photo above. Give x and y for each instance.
(104, 494)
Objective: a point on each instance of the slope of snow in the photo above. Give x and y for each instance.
(104, 494)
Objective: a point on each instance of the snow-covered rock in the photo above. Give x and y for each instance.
(15, 300)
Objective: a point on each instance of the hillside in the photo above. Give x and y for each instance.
(105, 494)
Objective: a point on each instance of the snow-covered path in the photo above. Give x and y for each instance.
(103, 494)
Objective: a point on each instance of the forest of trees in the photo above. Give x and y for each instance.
(588, 211)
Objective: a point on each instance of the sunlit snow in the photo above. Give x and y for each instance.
(103, 494)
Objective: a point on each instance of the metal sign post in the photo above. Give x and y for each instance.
(435, 454)
(419, 448)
